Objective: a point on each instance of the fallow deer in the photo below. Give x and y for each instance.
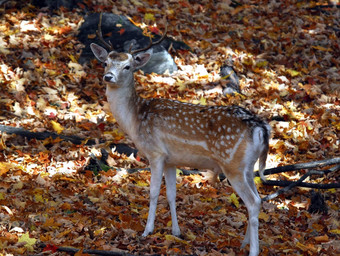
(170, 133)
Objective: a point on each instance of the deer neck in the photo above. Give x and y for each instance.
(124, 103)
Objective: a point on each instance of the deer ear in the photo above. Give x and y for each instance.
(141, 59)
(99, 52)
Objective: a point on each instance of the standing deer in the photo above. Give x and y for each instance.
(171, 133)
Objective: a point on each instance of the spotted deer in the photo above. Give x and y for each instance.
(170, 133)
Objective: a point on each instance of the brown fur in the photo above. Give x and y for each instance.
(118, 56)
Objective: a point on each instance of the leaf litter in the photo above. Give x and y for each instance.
(286, 54)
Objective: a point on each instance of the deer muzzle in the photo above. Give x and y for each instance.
(109, 77)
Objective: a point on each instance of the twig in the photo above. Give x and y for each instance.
(290, 184)
(325, 6)
(300, 166)
(120, 147)
(284, 183)
(184, 172)
(90, 251)
(293, 184)
(43, 135)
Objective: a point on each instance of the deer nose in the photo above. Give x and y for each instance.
(109, 78)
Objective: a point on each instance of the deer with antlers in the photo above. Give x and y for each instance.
(171, 133)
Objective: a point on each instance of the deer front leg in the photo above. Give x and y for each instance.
(156, 167)
(170, 179)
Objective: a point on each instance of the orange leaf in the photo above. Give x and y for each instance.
(121, 31)
(65, 30)
(91, 36)
(154, 30)
(321, 48)
(5, 167)
(321, 239)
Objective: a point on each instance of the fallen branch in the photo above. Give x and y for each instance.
(71, 250)
(184, 171)
(121, 148)
(323, 7)
(290, 184)
(285, 183)
(44, 135)
(294, 167)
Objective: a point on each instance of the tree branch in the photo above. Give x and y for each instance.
(120, 147)
(90, 251)
(284, 183)
(294, 167)
(43, 135)
(299, 183)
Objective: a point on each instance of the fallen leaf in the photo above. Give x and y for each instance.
(57, 127)
(29, 242)
(149, 16)
(233, 199)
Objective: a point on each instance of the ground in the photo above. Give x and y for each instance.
(286, 55)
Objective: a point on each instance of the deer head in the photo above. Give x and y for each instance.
(119, 67)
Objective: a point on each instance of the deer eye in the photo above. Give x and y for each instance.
(127, 67)
(105, 64)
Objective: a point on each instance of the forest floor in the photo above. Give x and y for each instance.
(286, 54)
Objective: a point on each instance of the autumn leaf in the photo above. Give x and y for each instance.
(51, 248)
(264, 216)
(73, 59)
(57, 127)
(5, 167)
(321, 48)
(293, 73)
(203, 101)
(19, 185)
(321, 239)
(154, 30)
(257, 180)
(149, 17)
(39, 198)
(189, 235)
(233, 199)
(65, 30)
(121, 31)
(2, 146)
(51, 223)
(175, 239)
(142, 183)
(261, 64)
(335, 231)
(29, 242)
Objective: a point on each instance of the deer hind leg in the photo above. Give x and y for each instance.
(244, 187)
(170, 179)
(157, 166)
(251, 184)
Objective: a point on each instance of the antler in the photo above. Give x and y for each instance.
(100, 35)
(150, 44)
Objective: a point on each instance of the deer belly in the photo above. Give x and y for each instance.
(189, 153)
